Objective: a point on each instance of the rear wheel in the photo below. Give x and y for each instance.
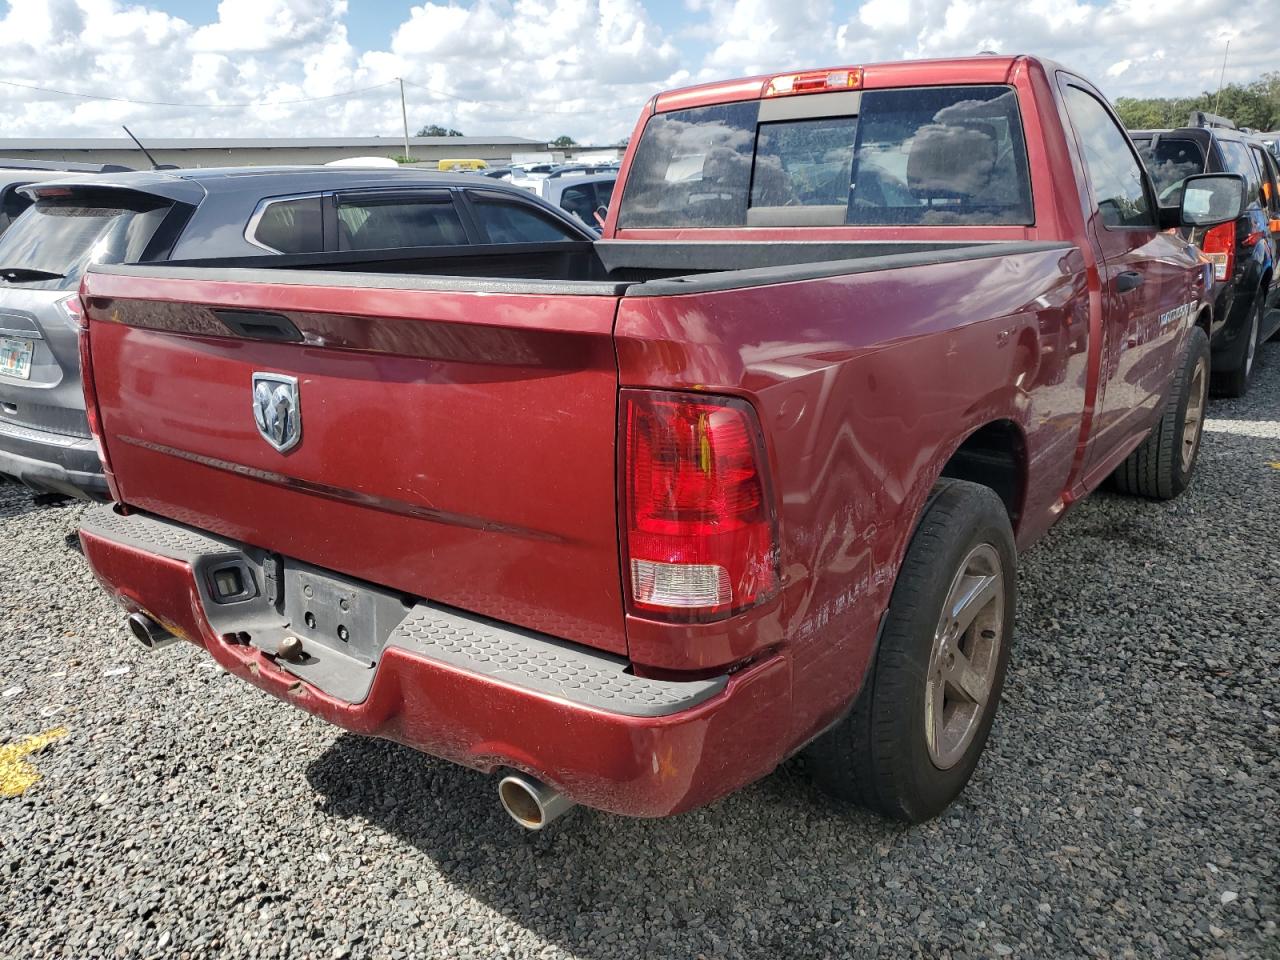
(1162, 466)
(1235, 381)
(920, 723)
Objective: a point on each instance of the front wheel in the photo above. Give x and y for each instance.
(919, 724)
(1162, 466)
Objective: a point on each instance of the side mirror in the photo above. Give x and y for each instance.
(1209, 199)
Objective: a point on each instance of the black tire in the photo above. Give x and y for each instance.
(1161, 468)
(880, 756)
(1234, 382)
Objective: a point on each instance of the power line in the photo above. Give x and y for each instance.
(171, 103)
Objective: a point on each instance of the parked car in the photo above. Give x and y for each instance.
(154, 217)
(633, 522)
(580, 196)
(18, 173)
(1243, 253)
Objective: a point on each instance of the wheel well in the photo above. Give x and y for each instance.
(995, 456)
(1205, 320)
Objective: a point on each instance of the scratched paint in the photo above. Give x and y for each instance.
(17, 774)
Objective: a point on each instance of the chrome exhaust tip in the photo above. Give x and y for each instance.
(149, 633)
(530, 802)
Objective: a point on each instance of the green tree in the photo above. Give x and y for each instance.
(435, 130)
(564, 140)
(1255, 105)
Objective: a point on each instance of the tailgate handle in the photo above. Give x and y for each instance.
(260, 326)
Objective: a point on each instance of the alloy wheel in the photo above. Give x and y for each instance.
(966, 649)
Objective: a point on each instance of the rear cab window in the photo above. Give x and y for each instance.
(61, 236)
(909, 156)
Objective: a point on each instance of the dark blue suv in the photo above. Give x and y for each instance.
(1243, 253)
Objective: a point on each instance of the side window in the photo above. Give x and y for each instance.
(579, 201)
(12, 205)
(1270, 199)
(507, 222)
(1115, 174)
(1237, 159)
(370, 222)
(1272, 165)
(291, 225)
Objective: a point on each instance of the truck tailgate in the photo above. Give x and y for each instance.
(454, 445)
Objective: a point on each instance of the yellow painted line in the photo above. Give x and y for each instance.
(1274, 464)
(17, 775)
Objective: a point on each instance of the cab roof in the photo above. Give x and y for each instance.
(984, 68)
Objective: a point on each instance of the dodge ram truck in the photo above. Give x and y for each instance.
(627, 523)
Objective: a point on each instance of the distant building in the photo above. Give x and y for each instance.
(261, 152)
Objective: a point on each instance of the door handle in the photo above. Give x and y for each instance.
(1129, 280)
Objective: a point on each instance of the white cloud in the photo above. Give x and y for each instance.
(544, 67)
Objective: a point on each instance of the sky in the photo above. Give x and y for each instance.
(543, 68)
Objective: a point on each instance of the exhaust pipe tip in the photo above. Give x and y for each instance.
(149, 633)
(530, 802)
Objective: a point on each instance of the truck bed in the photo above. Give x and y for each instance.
(603, 268)
(459, 408)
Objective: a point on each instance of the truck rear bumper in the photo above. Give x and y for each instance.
(471, 690)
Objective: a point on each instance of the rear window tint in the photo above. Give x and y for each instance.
(291, 226)
(1170, 160)
(390, 224)
(931, 155)
(63, 237)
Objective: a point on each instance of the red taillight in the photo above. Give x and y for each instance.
(1219, 246)
(814, 81)
(75, 310)
(699, 521)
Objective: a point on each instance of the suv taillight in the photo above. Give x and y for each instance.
(1219, 246)
(699, 524)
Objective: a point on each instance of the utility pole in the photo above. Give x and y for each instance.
(404, 115)
(1221, 77)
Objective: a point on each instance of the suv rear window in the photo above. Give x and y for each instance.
(928, 155)
(1170, 160)
(64, 236)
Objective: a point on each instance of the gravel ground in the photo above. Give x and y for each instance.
(1127, 805)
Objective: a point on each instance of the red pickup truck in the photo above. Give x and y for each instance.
(633, 521)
